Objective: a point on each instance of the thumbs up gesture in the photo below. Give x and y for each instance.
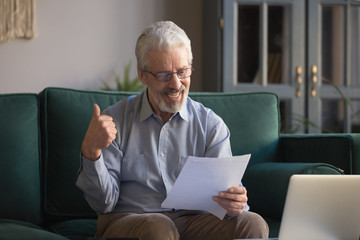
(100, 134)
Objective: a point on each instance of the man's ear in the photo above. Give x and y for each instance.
(141, 75)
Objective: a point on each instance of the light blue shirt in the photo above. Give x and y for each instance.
(137, 171)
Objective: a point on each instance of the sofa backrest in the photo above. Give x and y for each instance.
(20, 187)
(66, 114)
(252, 119)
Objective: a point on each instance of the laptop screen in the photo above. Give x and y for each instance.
(322, 207)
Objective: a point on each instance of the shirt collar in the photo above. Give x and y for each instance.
(146, 109)
(184, 114)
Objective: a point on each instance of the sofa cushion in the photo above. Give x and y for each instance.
(76, 229)
(17, 230)
(253, 120)
(65, 119)
(20, 158)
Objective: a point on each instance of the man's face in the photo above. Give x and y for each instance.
(166, 97)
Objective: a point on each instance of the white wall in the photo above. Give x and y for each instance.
(80, 42)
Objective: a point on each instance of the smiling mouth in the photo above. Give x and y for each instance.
(173, 95)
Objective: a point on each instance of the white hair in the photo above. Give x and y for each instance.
(162, 35)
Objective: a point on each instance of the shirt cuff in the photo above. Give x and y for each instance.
(93, 168)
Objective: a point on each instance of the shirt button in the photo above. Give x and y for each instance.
(162, 154)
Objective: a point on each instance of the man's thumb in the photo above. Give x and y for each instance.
(96, 110)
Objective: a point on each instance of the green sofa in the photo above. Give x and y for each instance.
(40, 142)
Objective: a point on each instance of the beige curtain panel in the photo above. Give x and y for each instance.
(17, 19)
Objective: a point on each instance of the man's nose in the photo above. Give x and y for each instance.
(175, 82)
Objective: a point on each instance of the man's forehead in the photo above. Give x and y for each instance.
(173, 58)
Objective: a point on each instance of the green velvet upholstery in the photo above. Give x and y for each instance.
(253, 120)
(20, 158)
(340, 150)
(76, 228)
(17, 230)
(40, 144)
(66, 115)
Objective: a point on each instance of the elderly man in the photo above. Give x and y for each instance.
(133, 153)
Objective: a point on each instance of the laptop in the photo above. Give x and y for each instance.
(322, 207)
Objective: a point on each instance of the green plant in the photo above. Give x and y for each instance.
(127, 84)
(301, 121)
(355, 114)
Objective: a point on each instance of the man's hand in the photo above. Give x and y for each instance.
(100, 134)
(234, 200)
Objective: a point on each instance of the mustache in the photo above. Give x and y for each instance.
(173, 90)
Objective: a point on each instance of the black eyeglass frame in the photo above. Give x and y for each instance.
(168, 75)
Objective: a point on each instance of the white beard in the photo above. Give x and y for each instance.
(174, 107)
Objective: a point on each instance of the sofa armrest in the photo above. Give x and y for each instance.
(340, 150)
(267, 184)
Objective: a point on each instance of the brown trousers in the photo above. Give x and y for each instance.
(184, 225)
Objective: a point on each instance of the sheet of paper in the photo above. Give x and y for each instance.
(202, 178)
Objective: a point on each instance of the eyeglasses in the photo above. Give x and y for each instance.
(166, 76)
